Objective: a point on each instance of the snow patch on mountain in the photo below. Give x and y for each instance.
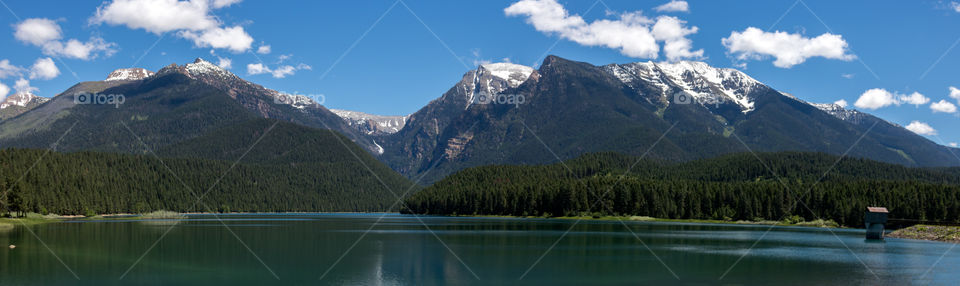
(514, 74)
(129, 74)
(372, 123)
(297, 101)
(201, 67)
(379, 148)
(708, 85)
(836, 110)
(22, 99)
(491, 79)
(213, 74)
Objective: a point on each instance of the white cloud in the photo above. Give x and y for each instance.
(914, 98)
(233, 38)
(842, 103)
(217, 4)
(46, 34)
(954, 144)
(943, 106)
(955, 6)
(264, 49)
(955, 93)
(4, 90)
(23, 85)
(225, 63)
(44, 68)
(921, 128)
(258, 68)
(673, 32)
(280, 72)
(630, 33)
(159, 16)
(875, 98)
(8, 70)
(788, 49)
(37, 31)
(283, 71)
(674, 6)
(192, 19)
(79, 50)
(847, 75)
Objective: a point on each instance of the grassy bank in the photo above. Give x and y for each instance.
(929, 232)
(35, 218)
(788, 222)
(29, 219)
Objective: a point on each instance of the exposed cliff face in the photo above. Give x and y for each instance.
(424, 137)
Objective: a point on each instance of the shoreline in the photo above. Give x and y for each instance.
(948, 234)
(814, 224)
(34, 218)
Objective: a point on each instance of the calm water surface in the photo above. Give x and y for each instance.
(297, 249)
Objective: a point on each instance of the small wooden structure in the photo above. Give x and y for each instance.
(875, 219)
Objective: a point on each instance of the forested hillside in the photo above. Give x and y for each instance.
(313, 174)
(732, 187)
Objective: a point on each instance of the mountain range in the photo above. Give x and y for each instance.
(499, 113)
(207, 124)
(176, 103)
(570, 108)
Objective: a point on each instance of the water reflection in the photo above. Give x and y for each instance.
(401, 251)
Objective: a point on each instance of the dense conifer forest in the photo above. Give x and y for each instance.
(770, 186)
(312, 174)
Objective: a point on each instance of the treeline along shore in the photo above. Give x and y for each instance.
(769, 186)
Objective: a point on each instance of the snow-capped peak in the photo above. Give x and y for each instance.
(21, 99)
(203, 67)
(205, 71)
(198, 68)
(514, 74)
(129, 74)
(706, 84)
(491, 79)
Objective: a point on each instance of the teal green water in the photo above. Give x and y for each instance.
(297, 249)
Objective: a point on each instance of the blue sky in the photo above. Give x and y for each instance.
(391, 57)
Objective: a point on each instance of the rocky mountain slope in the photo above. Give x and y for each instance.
(176, 103)
(575, 108)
